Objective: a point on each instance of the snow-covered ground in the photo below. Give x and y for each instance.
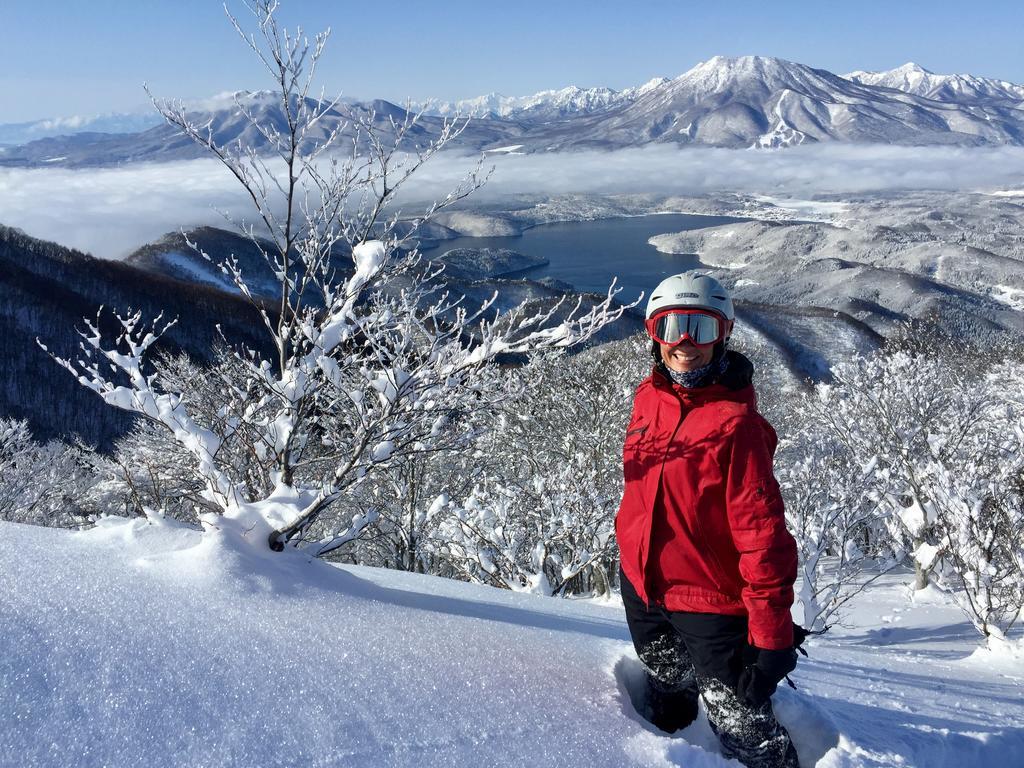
(141, 644)
(807, 210)
(874, 270)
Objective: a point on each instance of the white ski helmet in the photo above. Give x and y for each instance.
(691, 290)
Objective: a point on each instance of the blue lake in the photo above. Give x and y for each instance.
(588, 254)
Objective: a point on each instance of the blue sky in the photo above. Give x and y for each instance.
(67, 57)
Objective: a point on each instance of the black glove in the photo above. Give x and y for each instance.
(800, 635)
(758, 681)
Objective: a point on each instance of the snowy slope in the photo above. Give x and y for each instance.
(881, 275)
(138, 644)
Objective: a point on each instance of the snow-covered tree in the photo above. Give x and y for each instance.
(154, 472)
(540, 515)
(411, 498)
(833, 512)
(904, 412)
(16, 460)
(411, 501)
(980, 503)
(43, 484)
(932, 434)
(368, 359)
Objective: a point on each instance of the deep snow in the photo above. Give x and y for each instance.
(143, 644)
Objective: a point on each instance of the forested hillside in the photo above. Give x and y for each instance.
(45, 292)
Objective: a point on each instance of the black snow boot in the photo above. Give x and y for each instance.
(669, 709)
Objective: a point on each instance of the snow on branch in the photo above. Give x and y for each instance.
(372, 360)
(116, 374)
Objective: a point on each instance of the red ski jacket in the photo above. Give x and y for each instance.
(701, 525)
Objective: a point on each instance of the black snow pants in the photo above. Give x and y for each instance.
(690, 654)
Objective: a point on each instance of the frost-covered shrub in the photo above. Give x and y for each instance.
(154, 472)
(52, 484)
(529, 500)
(980, 504)
(410, 499)
(548, 481)
(833, 512)
(410, 502)
(150, 473)
(904, 413)
(924, 437)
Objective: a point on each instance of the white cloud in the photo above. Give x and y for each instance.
(805, 170)
(109, 212)
(59, 123)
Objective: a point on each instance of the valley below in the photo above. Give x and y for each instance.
(816, 278)
(820, 278)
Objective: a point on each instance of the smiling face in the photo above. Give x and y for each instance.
(687, 356)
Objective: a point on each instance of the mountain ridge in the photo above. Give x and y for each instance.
(740, 102)
(915, 79)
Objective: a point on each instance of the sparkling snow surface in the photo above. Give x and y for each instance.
(138, 644)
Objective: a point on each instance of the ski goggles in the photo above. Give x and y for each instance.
(673, 326)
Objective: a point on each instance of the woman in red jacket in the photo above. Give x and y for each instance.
(707, 563)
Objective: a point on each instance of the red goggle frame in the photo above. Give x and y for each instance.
(673, 326)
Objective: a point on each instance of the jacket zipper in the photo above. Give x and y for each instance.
(657, 492)
(715, 564)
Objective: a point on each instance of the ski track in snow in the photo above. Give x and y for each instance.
(137, 644)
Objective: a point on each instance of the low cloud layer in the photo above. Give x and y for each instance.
(110, 212)
(800, 171)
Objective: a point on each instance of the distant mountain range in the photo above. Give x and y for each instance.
(952, 89)
(166, 143)
(750, 101)
(545, 105)
(115, 122)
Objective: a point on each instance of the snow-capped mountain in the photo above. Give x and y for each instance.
(755, 101)
(113, 122)
(956, 89)
(551, 104)
(227, 116)
(743, 102)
